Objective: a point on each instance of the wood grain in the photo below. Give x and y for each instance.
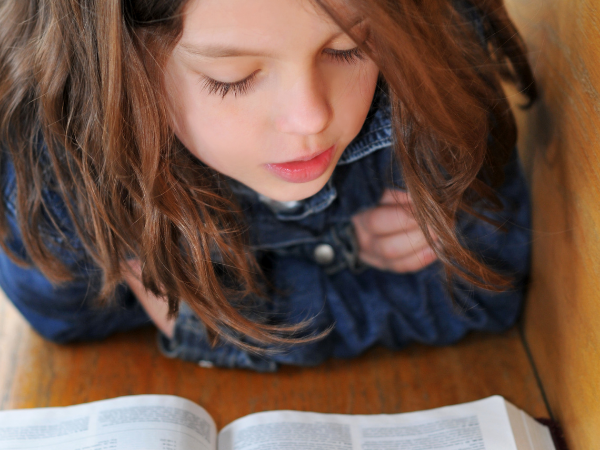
(561, 145)
(35, 373)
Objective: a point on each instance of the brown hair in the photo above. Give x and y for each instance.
(86, 76)
(453, 126)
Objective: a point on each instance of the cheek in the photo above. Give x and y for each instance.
(354, 102)
(217, 132)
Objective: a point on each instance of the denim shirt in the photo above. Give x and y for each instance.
(311, 256)
(308, 250)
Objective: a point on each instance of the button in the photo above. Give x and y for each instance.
(324, 254)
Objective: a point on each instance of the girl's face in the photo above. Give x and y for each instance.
(268, 92)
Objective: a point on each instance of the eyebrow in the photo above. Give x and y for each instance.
(225, 51)
(221, 51)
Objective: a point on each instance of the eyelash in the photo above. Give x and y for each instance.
(244, 86)
(348, 56)
(220, 88)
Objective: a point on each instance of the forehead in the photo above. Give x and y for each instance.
(268, 23)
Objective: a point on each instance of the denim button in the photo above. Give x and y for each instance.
(324, 254)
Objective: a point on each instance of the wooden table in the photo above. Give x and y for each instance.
(35, 373)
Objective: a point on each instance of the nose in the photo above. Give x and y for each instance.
(304, 107)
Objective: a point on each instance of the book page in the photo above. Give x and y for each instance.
(148, 422)
(480, 425)
(529, 434)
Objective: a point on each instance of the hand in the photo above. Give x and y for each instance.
(157, 308)
(389, 237)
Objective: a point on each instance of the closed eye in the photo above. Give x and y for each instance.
(242, 87)
(348, 56)
(222, 88)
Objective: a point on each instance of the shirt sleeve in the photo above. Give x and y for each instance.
(68, 311)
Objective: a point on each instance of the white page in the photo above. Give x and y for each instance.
(148, 422)
(529, 434)
(480, 425)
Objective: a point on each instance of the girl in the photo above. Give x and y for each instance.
(270, 181)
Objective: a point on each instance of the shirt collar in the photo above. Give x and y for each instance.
(375, 134)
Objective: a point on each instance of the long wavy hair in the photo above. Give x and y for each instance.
(85, 78)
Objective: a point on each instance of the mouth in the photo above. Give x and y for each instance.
(304, 169)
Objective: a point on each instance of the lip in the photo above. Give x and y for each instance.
(305, 169)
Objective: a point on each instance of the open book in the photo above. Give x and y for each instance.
(162, 422)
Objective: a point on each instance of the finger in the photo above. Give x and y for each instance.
(395, 196)
(387, 219)
(414, 262)
(372, 261)
(399, 245)
(363, 235)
